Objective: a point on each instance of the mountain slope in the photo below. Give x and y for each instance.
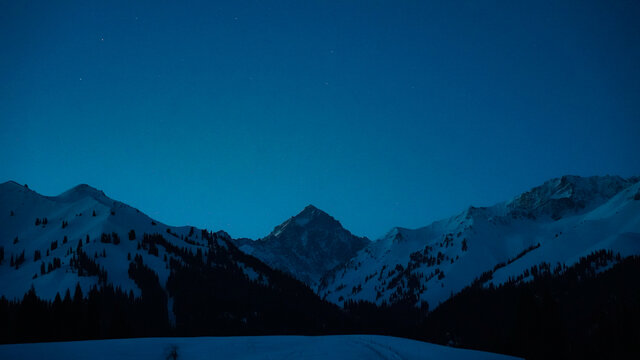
(77, 214)
(306, 245)
(558, 222)
(156, 278)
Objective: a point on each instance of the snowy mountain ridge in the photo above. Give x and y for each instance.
(41, 235)
(557, 222)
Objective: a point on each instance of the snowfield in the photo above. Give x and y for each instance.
(368, 347)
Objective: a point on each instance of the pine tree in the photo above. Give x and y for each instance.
(19, 260)
(67, 297)
(57, 301)
(77, 295)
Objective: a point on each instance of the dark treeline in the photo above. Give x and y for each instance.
(591, 309)
(574, 312)
(103, 313)
(584, 311)
(211, 295)
(277, 304)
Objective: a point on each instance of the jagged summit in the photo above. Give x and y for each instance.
(306, 245)
(567, 194)
(309, 217)
(312, 214)
(310, 207)
(310, 211)
(558, 221)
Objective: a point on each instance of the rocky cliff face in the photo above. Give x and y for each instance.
(306, 245)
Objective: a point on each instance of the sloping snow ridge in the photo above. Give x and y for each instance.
(54, 226)
(370, 347)
(557, 223)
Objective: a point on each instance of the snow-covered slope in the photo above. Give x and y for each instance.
(557, 222)
(50, 229)
(369, 347)
(306, 245)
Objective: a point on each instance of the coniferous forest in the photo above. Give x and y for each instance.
(588, 309)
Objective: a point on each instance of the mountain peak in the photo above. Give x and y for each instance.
(82, 191)
(310, 207)
(13, 187)
(311, 210)
(307, 245)
(568, 193)
(11, 183)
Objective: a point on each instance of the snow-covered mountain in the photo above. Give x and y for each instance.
(306, 245)
(40, 237)
(557, 223)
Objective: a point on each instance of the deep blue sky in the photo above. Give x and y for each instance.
(235, 116)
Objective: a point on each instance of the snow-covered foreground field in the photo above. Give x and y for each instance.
(369, 347)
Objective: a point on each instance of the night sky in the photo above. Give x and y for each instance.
(235, 116)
